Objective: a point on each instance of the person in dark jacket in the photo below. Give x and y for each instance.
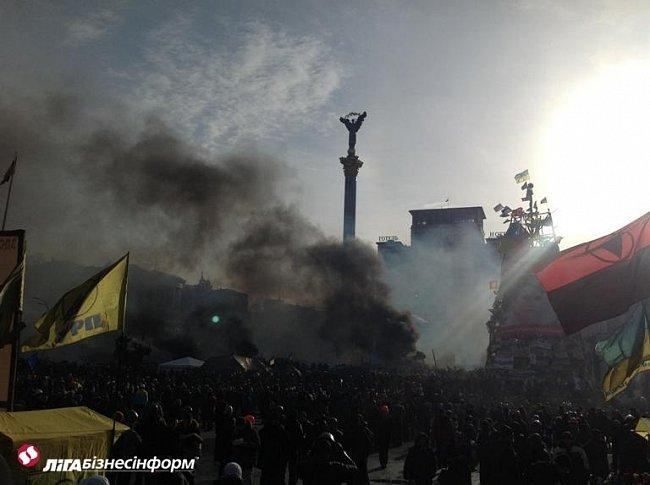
(327, 463)
(296, 436)
(539, 470)
(420, 463)
(383, 434)
(5, 472)
(127, 445)
(505, 469)
(224, 431)
(358, 442)
(245, 446)
(485, 451)
(274, 451)
(571, 461)
(157, 436)
(632, 449)
(596, 449)
(459, 470)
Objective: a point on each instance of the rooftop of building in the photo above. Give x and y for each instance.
(450, 211)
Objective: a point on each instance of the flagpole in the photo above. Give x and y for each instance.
(121, 339)
(11, 183)
(16, 328)
(435, 362)
(18, 324)
(118, 378)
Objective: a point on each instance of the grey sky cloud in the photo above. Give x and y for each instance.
(254, 82)
(91, 27)
(459, 95)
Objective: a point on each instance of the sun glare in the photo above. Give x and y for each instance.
(594, 153)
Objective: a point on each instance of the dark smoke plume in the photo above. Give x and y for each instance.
(194, 200)
(91, 186)
(239, 338)
(280, 250)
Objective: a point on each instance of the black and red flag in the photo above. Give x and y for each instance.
(600, 279)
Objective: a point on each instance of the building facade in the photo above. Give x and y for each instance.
(446, 226)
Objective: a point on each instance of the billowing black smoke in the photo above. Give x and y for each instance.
(357, 313)
(194, 200)
(239, 338)
(279, 249)
(94, 186)
(90, 187)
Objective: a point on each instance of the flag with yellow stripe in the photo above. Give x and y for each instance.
(627, 353)
(92, 308)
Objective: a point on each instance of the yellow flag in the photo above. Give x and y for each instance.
(617, 378)
(92, 308)
(627, 352)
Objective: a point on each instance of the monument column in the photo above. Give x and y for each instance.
(351, 165)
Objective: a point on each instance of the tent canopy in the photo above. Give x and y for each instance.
(54, 423)
(183, 363)
(75, 432)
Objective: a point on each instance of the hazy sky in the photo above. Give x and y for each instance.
(460, 95)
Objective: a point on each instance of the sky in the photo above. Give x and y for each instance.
(460, 95)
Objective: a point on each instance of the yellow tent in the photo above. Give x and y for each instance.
(58, 434)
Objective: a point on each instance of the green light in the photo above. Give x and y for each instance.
(215, 319)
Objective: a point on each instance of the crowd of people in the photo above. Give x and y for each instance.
(316, 424)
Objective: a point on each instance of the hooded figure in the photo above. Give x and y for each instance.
(420, 463)
(232, 474)
(327, 463)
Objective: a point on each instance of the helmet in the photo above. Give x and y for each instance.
(132, 416)
(327, 437)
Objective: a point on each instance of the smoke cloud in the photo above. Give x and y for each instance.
(90, 187)
(280, 250)
(444, 280)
